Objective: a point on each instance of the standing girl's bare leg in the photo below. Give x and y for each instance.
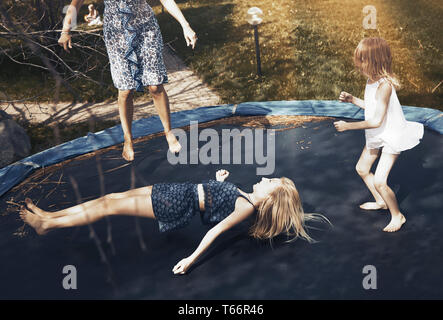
(161, 103)
(363, 168)
(137, 203)
(126, 111)
(384, 166)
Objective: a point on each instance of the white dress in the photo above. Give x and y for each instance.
(395, 133)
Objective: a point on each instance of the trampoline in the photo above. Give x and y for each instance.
(127, 258)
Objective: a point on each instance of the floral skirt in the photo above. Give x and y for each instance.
(134, 44)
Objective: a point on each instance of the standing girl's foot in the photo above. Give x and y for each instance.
(373, 206)
(128, 150)
(396, 222)
(174, 145)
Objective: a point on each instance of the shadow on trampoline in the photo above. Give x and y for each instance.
(319, 160)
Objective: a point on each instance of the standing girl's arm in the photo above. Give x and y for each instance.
(382, 96)
(174, 10)
(242, 211)
(347, 97)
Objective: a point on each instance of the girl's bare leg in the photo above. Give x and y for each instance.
(384, 166)
(161, 103)
(126, 111)
(91, 211)
(363, 167)
(144, 191)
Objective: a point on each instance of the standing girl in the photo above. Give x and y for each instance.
(385, 126)
(134, 45)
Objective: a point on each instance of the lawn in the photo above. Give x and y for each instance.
(307, 47)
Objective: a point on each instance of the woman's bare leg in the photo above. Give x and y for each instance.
(161, 103)
(126, 111)
(363, 167)
(91, 211)
(384, 166)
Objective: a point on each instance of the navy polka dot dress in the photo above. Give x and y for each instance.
(134, 44)
(175, 204)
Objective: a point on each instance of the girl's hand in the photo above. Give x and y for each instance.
(65, 41)
(341, 126)
(345, 97)
(190, 36)
(182, 266)
(221, 175)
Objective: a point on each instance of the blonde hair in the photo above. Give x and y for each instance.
(282, 212)
(373, 57)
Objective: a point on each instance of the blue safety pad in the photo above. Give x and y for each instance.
(431, 118)
(17, 172)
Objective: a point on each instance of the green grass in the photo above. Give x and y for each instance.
(307, 47)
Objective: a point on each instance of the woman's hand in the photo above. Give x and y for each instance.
(345, 97)
(341, 126)
(183, 265)
(190, 36)
(221, 175)
(65, 41)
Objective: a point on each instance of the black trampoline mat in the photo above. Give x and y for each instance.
(319, 160)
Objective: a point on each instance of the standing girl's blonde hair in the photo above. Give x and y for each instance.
(373, 58)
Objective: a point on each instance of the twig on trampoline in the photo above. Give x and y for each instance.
(137, 223)
(102, 193)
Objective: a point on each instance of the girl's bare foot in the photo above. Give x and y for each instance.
(396, 222)
(174, 145)
(373, 206)
(34, 209)
(33, 220)
(41, 213)
(128, 151)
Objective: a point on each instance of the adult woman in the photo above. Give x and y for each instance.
(276, 202)
(134, 45)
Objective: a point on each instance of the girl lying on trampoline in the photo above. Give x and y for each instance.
(276, 202)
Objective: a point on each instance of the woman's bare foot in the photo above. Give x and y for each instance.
(174, 145)
(373, 206)
(33, 220)
(396, 222)
(128, 150)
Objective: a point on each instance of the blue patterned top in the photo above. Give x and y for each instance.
(175, 204)
(220, 198)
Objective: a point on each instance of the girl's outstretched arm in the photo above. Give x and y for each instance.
(382, 97)
(243, 209)
(175, 11)
(347, 97)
